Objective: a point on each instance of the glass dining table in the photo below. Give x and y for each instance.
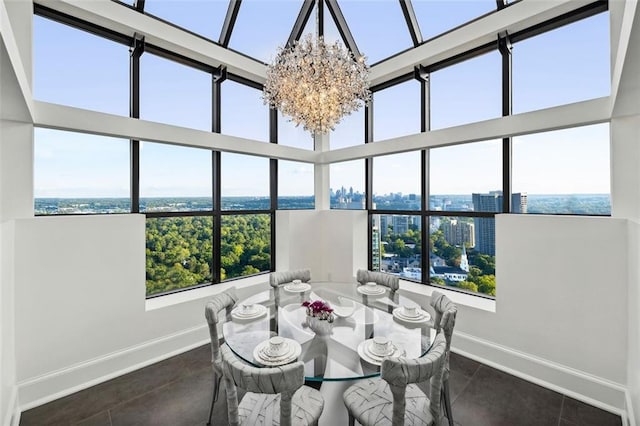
(331, 351)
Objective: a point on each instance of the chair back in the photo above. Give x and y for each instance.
(284, 380)
(281, 277)
(445, 316)
(364, 276)
(223, 301)
(399, 372)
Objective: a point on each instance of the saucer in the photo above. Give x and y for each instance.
(297, 288)
(371, 358)
(292, 353)
(376, 291)
(242, 314)
(423, 316)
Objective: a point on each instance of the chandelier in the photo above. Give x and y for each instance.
(316, 84)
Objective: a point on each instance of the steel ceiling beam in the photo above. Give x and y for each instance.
(412, 21)
(301, 21)
(343, 28)
(229, 22)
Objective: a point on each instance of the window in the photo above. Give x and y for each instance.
(397, 245)
(245, 182)
(347, 185)
(173, 93)
(202, 17)
(562, 66)
(396, 181)
(174, 178)
(79, 69)
(576, 171)
(466, 92)
(396, 111)
(295, 185)
(291, 135)
(243, 113)
(349, 132)
(437, 17)
(179, 253)
(80, 173)
(245, 245)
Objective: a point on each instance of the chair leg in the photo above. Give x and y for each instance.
(447, 402)
(214, 398)
(352, 420)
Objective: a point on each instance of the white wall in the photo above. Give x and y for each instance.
(633, 353)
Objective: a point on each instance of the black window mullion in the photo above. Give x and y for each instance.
(136, 50)
(422, 75)
(505, 48)
(218, 77)
(273, 183)
(368, 171)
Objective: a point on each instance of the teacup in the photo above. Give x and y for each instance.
(248, 309)
(410, 311)
(276, 346)
(380, 346)
(296, 283)
(371, 286)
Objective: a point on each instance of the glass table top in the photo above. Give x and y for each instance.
(330, 351)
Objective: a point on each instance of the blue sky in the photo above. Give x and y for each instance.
(563, 66)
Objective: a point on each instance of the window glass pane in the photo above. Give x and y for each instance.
(174, 178)
(462, 253)
(378, 27)
(76, 173)
(75, 68)
(243, 112)
(173, 93)
(244, 182)
(347, 185)
(397, 245)
(290, 135)
(295, 185)
(467, 92)
(396, 111)
(179, 253)
(349, 132)
(436, 16)
(245, 245)
(555, 179)
(562, 66)
(396, 181)
(201, 17)
(457, 172)
(263, 26)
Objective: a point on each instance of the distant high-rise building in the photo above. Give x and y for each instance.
(485, 227)
(459, 233)
(400, 224)
(384, 225)
(376, 252)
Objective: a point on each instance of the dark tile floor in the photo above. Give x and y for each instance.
(177, 392)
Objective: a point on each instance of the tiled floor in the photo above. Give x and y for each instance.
(177, 392)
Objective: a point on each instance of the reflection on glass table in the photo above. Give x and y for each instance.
(338, 350)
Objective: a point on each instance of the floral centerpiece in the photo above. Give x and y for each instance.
(319, 309)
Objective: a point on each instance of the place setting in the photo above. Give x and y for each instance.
(377, 349)
(277, 351)
(411, 314)
(371, 289)
(247, 312)
(297, 286)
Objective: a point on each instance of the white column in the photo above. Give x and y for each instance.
(321, 175)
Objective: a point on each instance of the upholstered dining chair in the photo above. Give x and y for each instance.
(275, 395)
(281, 277)
(223, 301)
(394, 398)
(364, 276)
(445, 319)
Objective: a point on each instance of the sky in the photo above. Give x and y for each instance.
(565, 65)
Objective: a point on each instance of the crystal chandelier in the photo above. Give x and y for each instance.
(316, 84)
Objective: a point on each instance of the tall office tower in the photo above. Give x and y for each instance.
(486, 227)
(384, 225)
(400, 224)
(376, 252)
(459, 233)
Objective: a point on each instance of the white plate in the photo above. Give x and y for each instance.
(301, 288)
(368, 351)
(363, 290)
(237, 313)
(374, 359)
(423, 317)
(345, 308)
(293, 353)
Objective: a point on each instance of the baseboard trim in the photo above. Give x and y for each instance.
(12, 416)
(585, 387)
(57, 384)
(630, 415)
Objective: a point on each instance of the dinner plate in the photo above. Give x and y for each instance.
(294, 351)
(363, 290)
(239, 312)
(423, 317)
(371, 358)
(300, 288)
